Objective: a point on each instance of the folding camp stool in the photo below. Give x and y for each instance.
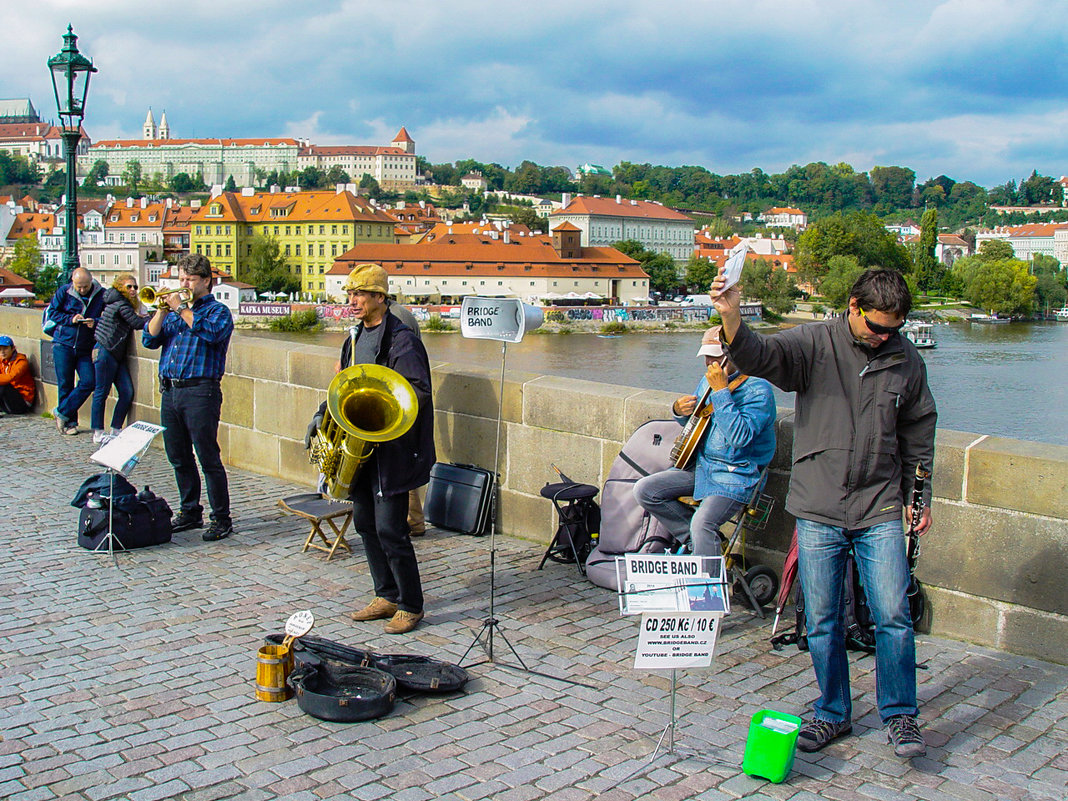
(572, 501)
(319, 510)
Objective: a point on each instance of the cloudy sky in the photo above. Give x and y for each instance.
(975, 89)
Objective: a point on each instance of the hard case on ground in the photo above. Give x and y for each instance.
(148, 524)
(458, 498)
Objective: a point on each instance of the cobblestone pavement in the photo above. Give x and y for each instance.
(135, 681)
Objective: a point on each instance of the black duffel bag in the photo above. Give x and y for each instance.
(136, 523)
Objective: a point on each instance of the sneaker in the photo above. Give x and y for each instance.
(70, 430)
(61, 421)
(378, 609)
(115, 432)
(903, 732)
(187, 520)
(99, 436)
(218, 531)
(817, 733)
(403, 622)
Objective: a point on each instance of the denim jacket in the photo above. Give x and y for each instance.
(739, 442)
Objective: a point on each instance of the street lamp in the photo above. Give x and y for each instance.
(70, 81)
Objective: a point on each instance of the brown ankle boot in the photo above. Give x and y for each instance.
(403, 622)
(378, 609)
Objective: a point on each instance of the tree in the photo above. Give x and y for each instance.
(700, 272)
(47, 281)
(1002, 285)
(995, 250)
(893, 186)
(181, 182)
(660, 267)
(231, 184)
(928, 270)
(266, 267)
(25, 259)
(842, 273)
(97, 173)
(311, 178)
(1040, 190)
(131, 175)
(1051, 292)
(525, 215)
(858, 234)
(335, 175)
(760, 280)
(369, 183)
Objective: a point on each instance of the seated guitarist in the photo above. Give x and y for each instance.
(730, 429)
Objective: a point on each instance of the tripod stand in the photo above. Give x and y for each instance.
(490, 624)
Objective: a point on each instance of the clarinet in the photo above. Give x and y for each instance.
(917, 514)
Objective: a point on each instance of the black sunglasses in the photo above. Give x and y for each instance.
(875, 328)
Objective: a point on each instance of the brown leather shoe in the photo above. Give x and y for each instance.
(378, 609)
(403, 622)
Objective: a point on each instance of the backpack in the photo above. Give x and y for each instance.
(858, 620)
(625, 526)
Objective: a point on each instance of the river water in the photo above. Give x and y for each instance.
(1007, 380)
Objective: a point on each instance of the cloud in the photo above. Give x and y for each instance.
(962, 87)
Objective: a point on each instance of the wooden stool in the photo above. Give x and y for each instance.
(318, 510)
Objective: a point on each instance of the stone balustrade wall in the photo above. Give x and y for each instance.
(994, 564)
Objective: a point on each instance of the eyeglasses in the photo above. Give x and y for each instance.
(131, 286)
(875, 328)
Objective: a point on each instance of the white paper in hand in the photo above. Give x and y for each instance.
(732, 273)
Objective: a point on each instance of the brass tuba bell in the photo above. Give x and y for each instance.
(366, 404)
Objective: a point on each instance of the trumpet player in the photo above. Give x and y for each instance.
(379, 492)
(193, 329)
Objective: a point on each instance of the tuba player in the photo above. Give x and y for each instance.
(379, 492)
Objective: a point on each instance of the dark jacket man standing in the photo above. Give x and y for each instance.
(74, 310)
(379, 492)
(864, 420)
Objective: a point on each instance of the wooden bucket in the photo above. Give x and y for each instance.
(273, 666)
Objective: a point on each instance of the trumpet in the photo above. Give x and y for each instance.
(154, 297)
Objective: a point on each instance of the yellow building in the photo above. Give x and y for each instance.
(312, 229)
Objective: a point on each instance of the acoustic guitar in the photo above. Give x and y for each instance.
(685, 447)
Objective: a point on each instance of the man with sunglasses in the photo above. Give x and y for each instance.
(864, 419)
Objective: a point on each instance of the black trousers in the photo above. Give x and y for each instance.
(191, 417)
(11, 401)
(383, 526)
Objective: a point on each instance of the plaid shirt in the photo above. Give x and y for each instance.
(197, 352)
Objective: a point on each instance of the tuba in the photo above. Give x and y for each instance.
(366, 404)
(150, 296)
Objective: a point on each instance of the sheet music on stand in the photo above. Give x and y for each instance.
(123, 452)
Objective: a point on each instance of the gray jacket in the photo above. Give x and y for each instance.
(863, 418)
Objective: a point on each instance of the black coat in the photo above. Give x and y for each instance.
(403, 463)
(116, 323)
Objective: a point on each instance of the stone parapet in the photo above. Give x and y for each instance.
(993, 563)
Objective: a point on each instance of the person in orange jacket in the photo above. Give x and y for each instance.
(16, 381)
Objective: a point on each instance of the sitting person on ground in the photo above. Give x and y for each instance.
(16, 379)
(731, 452)
(113, 330)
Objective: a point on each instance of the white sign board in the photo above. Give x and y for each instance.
(299, 623)
(123, 452)
(670, 583)
(502, 319)
(676, 640)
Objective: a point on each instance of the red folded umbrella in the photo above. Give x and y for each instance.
(789, 575)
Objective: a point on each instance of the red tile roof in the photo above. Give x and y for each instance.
(402, 136)
(28, 223)
(608, 207)
(9, 279)
(351, 150)
(305, 207)
(214, 142)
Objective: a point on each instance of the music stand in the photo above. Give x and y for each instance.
(504, 320)
(121, 454)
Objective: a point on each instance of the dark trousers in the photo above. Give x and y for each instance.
(383, 526)
(11, 401)
(68, 362)
(191, 417)
(110, 370)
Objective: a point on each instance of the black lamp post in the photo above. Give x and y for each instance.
(70, 81)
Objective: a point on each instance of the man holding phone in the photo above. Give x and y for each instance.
(74, 310)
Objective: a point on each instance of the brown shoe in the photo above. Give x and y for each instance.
(417, 531)
(378, 609)
(403, 622)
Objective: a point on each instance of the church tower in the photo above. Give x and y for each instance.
(149, 131)
(164, 128)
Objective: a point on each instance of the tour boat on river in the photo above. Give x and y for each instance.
(920, 334)
(1061, 314)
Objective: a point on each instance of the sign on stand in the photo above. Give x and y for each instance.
(681, 600)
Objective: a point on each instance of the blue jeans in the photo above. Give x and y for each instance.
(71, 397)
(111, 371)
(191, 417)
(659, 495)
(881, 562)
